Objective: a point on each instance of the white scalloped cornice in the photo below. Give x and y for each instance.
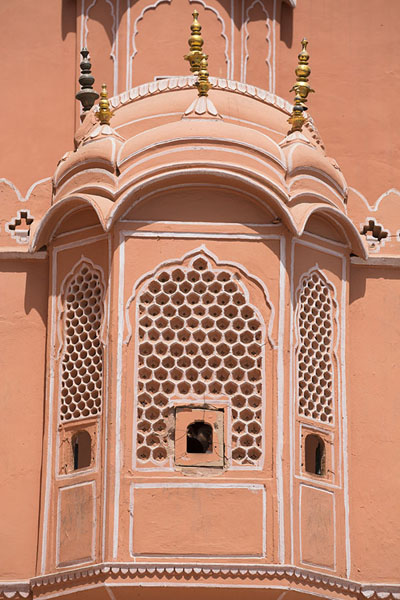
(187, 82)
(264, 573)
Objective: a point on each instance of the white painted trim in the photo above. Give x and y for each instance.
(203, 223)
(210, 144)
(187, 82)
(374, 207)
(106, 399)
(201, 249)
(147, 118)
(74, 231)
(343, 404)
(50, 424)
(278, 200)
(50, 395)
(131, 55)
(118, 406)
(320, 238)
(245, 37)
(232, 15)
(167, 188)
(273, 48)
(281, 401)
(20, 197)
(334, 348)
(298, 577)
(169, 265)
(114, 30)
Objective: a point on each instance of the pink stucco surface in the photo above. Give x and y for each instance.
(188, 260)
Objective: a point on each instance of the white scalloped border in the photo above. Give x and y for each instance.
(296, 574)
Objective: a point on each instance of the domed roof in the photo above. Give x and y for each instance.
(154, 135)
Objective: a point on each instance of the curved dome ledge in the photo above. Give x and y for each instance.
(303, 212)
(99, 153)
(44, 230)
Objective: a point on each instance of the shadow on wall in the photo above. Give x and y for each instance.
(68, 17)
(360, 274)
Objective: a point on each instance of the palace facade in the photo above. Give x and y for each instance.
(200, 283)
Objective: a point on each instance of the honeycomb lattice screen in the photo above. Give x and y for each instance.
(82, 358)
(315, 348)
(199, 340)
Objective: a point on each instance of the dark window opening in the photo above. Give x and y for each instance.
(314, 455)
(199, 438)
(81, 450)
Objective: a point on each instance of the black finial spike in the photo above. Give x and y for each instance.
(87, 94)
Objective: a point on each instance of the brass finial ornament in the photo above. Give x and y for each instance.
(195, 44)
(105, 113)
(86, 95)
(197, 58)
(301, 88)
(203, 84)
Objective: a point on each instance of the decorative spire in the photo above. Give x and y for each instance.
(301, 88)
(197, 58)
(105, 113)
(203, 84)
(195, 44)
(86, 95)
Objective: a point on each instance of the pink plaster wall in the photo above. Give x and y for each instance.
(23, 335)
(353, 60)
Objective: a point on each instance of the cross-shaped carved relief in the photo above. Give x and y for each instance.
(19, 226)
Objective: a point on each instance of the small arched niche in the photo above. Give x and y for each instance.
(199, 438)
(314, 455)
(81, 444)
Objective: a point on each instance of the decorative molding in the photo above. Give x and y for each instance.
(20, 197)
(20, 234)
(235, 365)
(132, 54)
(374, 207)
(114, 29)
(185, 82)
(245, 37)
(188, 81)
(317, 276)
(375, 234)
(294, 575)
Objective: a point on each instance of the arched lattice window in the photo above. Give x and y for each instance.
(315, 330)
(200, 340)
(82, 356)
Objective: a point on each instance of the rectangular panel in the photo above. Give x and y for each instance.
(198, 520)
(76, 524)
(317, 527)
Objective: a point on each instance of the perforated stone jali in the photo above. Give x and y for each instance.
(314, 354)
(82, 359)
(199, 339)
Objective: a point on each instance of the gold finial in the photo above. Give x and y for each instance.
(195, 44)
(203, 85)
(105, 113)
(197, 58)
(301, 88)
